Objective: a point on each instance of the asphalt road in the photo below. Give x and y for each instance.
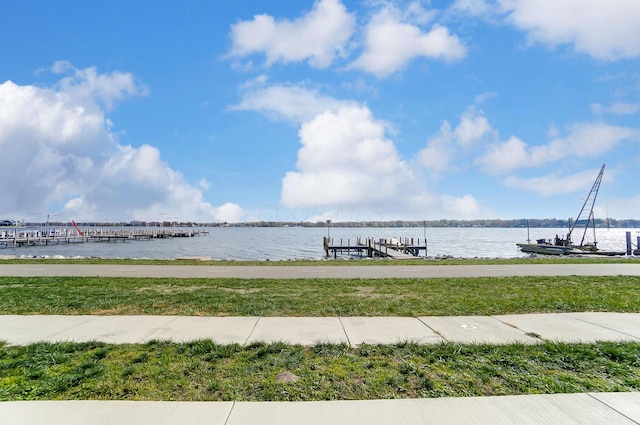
(297, 272)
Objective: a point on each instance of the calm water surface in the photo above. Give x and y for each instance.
(278, 243)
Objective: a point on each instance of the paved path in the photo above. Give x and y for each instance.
(524, 328)
(595, 408)
(297, 272)
(564, 409)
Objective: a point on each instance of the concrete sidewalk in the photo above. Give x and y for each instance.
(524, 328)
(334, 271)
(591, 408)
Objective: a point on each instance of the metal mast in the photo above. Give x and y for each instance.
(591, 200)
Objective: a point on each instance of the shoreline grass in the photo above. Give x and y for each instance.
(202, 370)
(332, 262)
(318, 297)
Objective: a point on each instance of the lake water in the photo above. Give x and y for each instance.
(279, 243)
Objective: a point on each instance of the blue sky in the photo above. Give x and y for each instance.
(314, 110)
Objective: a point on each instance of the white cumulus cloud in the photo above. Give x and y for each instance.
(103, 89)
(480, 8)
(585, 140)
(554, 183)
(391, 42)
(606, 30)
(618, 108)
(317, 37)
(295, 103)
(439, 151)
(61, 155)
(230, 213)
(473, 130)
(346, 164)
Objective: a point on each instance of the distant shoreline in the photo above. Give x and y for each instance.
(480, 223)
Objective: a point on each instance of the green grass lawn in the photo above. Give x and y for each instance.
(202, 370)
(318, 297)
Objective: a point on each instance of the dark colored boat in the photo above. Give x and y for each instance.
(566, 246)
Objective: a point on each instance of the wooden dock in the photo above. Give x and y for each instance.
(396, 248)
(17, 236)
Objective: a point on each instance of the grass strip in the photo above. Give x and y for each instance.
(317, 297)
(203, 370)
(445, 261)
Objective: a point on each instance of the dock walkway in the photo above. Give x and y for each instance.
(394, 248)
(66, 235)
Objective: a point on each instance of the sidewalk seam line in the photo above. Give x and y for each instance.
(346, 335)
(93, 318)
(592, 395)
(524, 331)
(538, 338)
(233, 405)
(255, 325)
(153, 331)
(433, 330)
(635, 338)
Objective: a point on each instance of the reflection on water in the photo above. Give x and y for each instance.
(277, 243)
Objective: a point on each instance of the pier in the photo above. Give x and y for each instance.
(21, 236)
(395, 248)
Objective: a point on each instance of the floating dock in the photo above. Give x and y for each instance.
(396, 248)
(20, 236)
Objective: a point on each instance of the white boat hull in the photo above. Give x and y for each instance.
(545, 249)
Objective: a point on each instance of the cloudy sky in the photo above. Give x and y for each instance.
(312, 110)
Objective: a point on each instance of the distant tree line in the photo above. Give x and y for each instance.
(523, 222)
(493, 223)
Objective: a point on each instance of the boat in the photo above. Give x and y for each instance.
(566, 246)
(548, 247)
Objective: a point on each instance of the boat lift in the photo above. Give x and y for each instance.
(590, 219)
